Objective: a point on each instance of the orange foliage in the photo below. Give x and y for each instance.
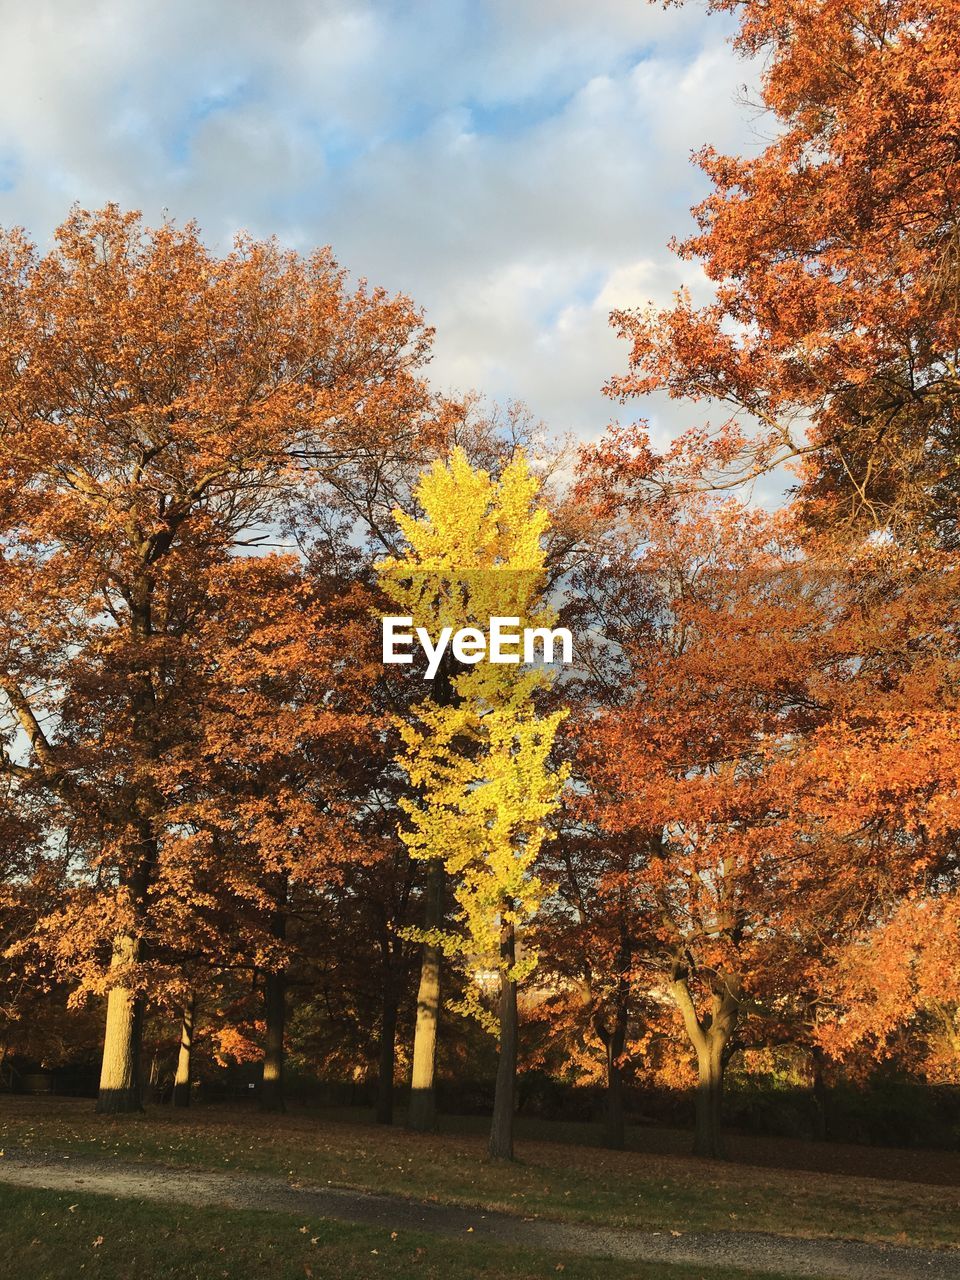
(834, 254)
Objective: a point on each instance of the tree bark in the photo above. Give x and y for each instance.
(120, 1064)
(275, 1014)
(422, 1112)
(388, 1046)
(504, 1100)
(181, 1083)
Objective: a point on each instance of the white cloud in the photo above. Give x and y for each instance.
(518, 168)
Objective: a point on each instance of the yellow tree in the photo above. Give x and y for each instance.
(478, 755)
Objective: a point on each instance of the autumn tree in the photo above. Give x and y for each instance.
(160, 408)
(590, 937)
(831, 345)
(875, 783)
(832, 338)
(594, 933)
(281, 786)
(707, 632)
(361, 496)
(355, 966)
(480, 760)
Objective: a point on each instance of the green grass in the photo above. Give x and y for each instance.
(549, 1180)
(54, 1236)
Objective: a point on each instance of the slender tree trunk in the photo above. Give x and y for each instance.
(504, 1100)
(614, 1042)
(422, 1113)
(120, 1065)
(821, 1096)
(152, 1091)
(181, 1083)
(388, 1047)
(275, 1014)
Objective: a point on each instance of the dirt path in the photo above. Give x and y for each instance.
(824, 1259)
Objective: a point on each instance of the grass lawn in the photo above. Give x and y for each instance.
(60, 1237)
(550, 1179)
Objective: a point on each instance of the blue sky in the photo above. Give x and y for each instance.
(516, 166)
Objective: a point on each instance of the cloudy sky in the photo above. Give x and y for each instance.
(516, 166)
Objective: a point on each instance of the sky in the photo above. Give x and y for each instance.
(517, 167)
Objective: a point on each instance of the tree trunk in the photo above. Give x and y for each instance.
(275, 1014)
(152, 1091)
(711, 1037)
(501, 1130)
(821, 1096)
(614, 1041)
(388, 1045)
(181, 1083)
(613, 1128)
(422, 1113)
(708, 1140)
(120, 1065)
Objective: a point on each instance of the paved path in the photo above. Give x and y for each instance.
(785, 1255)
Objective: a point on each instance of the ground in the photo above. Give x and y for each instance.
(61, 1237)
(443, 1208)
